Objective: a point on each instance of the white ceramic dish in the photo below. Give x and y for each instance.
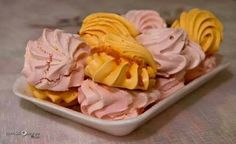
(118, 128)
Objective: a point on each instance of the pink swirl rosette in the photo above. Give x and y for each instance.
(144, 20)
(172, 49)
(55, 61)
(112, 103)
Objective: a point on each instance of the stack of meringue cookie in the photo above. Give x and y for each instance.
(118, 66)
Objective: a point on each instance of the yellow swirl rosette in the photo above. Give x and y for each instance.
(203, 28)
(99, 24)
(116, 59)
(121, 62)
(65, 98)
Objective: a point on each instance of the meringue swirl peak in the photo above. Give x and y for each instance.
(172, 49)
(122, 62)
(96, 25)
(144, 20)
(55, 61)
(203, 27)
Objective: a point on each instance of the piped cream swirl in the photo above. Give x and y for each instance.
(122, 62)
(112, 103)
(117, 59)
(144, 20)
(172, 49)
(96, 25)
(55, 61)
(203, 27)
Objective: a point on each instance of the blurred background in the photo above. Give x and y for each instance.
(208, 115)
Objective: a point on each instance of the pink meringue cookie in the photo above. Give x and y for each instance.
(172, 49)
(168, 86)
(112, 103)
(144, 20)
(55, 61)
(207, 65)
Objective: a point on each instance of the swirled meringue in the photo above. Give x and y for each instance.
(203, 28)
(112, 103)
(96, 25)
(144, 20)
(63, 98)
(168, 86)
(206, 66)
(121, 62)
(117, 59)
(55, 61)
(172, 49)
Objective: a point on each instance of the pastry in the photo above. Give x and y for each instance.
(206, 66)
(112, 103)
(117, 59)
(144, 20)
(172, 49)
(118, 66)
(203, 27)
(176, 55)
(55, 61)
(54, 64)
(206, 29)
(99, 24)
(66, 98)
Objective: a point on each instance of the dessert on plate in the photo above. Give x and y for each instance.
(118, 66)
(204, 28)
(54, 66)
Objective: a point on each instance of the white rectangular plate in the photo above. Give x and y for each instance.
(121, 127)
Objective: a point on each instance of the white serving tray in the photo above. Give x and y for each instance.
(121, 127)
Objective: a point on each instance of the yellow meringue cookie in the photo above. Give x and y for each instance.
(65, 98)
(121, 62)
(116, 59)
(203, 28)
(98, 24)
